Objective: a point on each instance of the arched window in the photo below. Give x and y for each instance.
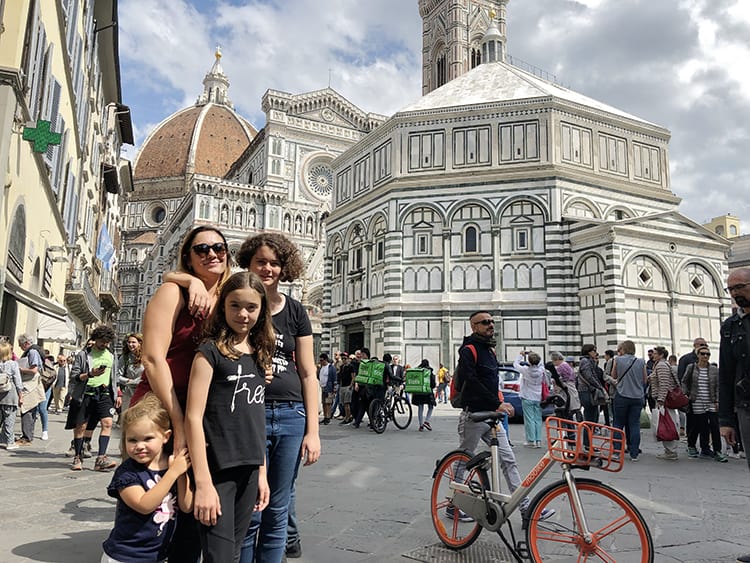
(470, 240)
(476, 57)
(17, 244)
(733, 230)
(440, 74)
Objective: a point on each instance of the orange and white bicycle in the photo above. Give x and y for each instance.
(590, 521)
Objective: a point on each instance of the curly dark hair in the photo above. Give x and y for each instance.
(286, 251)
(262, 337)
(104, 332)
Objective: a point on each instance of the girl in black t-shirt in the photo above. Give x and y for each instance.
(225, 418)
(149, 485)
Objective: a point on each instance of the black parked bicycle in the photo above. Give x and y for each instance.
(395, 407)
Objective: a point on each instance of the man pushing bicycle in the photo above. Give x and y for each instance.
(479, 385)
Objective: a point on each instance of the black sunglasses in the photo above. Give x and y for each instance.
(485, 322)
(704, 353)
(219, 248)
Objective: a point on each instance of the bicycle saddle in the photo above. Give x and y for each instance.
(486, 416)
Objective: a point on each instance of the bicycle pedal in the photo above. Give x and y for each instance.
(523, 550)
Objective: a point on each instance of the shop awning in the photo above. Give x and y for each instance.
(50, 329)
(47, 307)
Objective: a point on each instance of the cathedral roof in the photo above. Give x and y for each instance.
(202, 139)
(503, 82)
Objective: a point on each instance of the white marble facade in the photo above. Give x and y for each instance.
(506, 192)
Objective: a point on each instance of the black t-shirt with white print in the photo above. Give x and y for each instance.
(289, 323)
(235, 418)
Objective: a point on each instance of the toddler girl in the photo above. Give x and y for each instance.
(148, 485)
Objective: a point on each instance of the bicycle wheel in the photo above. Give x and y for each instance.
(446, 518)
(619, 531)
(378, 416)
(401, 413)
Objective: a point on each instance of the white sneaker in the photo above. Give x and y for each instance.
(11, 447)
(45, 436)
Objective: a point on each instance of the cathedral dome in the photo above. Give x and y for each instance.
(203, 139)
(196, 140)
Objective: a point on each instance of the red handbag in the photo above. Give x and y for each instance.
(676, 398)
(545, 389)
(666, 431)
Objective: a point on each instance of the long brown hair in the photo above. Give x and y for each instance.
(133, 357)
(262, 337)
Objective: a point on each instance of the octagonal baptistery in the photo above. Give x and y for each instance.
(203, 139)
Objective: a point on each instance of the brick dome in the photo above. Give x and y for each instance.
(202, 139)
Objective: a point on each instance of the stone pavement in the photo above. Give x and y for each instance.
(367, 500)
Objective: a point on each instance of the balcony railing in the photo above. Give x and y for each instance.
(81, 299)
(109, 292)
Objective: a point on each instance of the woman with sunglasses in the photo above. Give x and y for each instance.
(291, 397)
(171, 335)
(701, 384)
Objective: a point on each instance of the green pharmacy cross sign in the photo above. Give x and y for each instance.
(41, 135)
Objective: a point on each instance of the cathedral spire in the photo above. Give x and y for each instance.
(215, 84)
(493, 42)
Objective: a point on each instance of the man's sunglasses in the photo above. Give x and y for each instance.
(485, 322)
(219, 248)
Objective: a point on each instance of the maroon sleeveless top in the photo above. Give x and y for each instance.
(185, 339)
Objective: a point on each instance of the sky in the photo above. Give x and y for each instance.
(681, 64)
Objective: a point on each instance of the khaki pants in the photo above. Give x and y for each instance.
(58, 398)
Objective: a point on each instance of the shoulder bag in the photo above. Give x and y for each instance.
(676, 398)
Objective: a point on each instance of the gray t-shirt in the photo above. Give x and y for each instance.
(629, 373)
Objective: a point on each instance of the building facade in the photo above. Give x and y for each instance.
(452, 32)
(63, 124)
(503, 191)
(206, 164)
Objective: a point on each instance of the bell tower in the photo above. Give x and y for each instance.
(452, 32)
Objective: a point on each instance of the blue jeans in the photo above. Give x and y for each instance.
(285, 427)
(628, 418)
(43, 415)
(506, 427)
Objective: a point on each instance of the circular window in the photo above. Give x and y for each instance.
(155, 214)
(158, 214)
(320, 179)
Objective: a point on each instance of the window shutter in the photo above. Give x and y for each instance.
(54, 117)
(36, 69)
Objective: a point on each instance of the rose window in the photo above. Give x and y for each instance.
(320, 179)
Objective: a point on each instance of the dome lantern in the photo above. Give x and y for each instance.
(215, 84)
(493, 41)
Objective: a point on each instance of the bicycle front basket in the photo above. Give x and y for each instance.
(585, 443)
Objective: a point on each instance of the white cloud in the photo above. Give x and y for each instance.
(679, 63)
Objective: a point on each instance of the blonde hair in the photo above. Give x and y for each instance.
(6, 351)
(148, 407)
